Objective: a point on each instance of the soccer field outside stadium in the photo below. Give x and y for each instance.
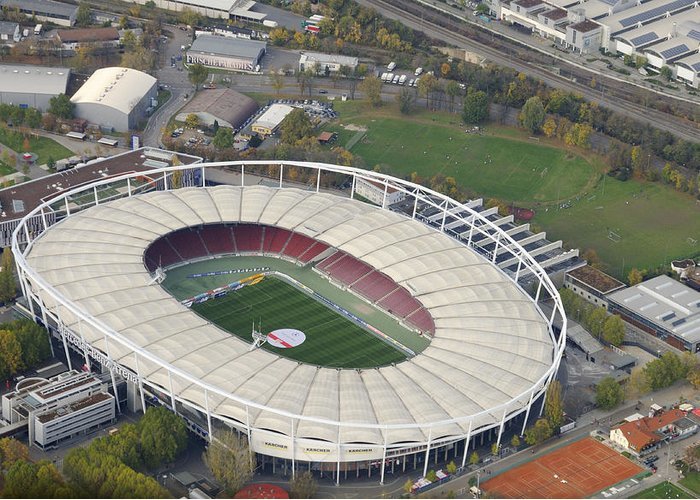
(331, 339)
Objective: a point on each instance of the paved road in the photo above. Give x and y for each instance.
(679, 127)
(177, 83)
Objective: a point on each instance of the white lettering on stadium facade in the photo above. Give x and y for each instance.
(99, 356)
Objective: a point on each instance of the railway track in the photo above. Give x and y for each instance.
(679, 127)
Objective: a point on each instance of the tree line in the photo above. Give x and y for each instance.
(113, 466)
(23, 344)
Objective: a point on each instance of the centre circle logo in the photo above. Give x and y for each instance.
(286, 338)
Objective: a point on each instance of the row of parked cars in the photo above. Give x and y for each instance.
(399, 79)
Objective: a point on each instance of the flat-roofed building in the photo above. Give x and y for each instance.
(688, 70)
(101, 37)
(31, 86)
(374, 192)
(667, 52)
(584, 37)
(9, 32)
(226, 52)
(662, 307)
(268, 122)
(592, 284)
(325, 63)
(59, 13)
(59, 408)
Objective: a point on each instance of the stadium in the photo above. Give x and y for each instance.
(429, 346)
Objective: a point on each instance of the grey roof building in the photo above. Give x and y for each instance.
(31, 86)
(45, 10)
(228, 107)
(662, 307)
(9, 32)
(226, 52)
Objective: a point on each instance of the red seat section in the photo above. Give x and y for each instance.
(330, 260)
(217, 239)
(188, 244)
(400, 303)
(316, 249)
(422, 320)
(348, 270)
(297, 245)
(161, 254)
(374, 286)
(278, 240)
(248, 237)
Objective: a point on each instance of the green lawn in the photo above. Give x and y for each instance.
(692, 482)
(500, 163)
(662, 490)
(331, 339)
(6, 169)
(653, 221)
(43, 147)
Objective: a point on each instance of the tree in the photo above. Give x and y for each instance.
(83, 18)
(476, 106)
(550, 127)
(10, 354)
(192, 120)
(277, 79)
(474, 458)
(495, 448)
(554, 405)
(406, 98)
(372, 87)
(140, 58)
(32, 117)
(12, 450)
(614, 330)
(35, 480)
(595, 321)
(303, 485)
(637, 384)
(129, 40)
(539, 432)
(426, 86)
(608, 394)
(408, 486)
(635, 276)
(664, 371)
(451, 467)
(694, 376)
(8, 287)
(452, 90)
(666, 72)
(197, 73)
(515, 441)
(532, 115)
(230, 461)
(163, 436)
(61, 106)
(691, 457)
(295, 127)
(223, 138)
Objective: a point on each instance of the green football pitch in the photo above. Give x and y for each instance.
(331, 339)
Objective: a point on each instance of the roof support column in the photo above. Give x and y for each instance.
(97, 199)
(337, 477)
(471, 232)
(495, 248)
(43, 219)
(165, 181)
(500, 429)
(466, 443)
(415, 205)
(281, 174)
(539, 289)
(520, 265)
(85, 352)
(381, 477)
(26, 234)
(62, 331)
(67, 207)
(111, 368)
(444, 216)
(140, 378)
(44, 319)
(386, 191)
(318, 180)
(204, 181)
(249, 432)
(291, 421)
(527, 412)
(172, 392)
(242, 175)
(206, 407)
(354, 183)
(427, 452)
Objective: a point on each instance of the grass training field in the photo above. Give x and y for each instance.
(542, 175)
(331, 339)
(662, 490)
(692, 482)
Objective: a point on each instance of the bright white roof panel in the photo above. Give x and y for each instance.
(119, 88)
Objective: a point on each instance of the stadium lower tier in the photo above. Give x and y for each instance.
(202, 242)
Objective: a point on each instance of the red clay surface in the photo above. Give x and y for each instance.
(587, 466)
(261, 490)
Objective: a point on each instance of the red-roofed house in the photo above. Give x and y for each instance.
(647, 433)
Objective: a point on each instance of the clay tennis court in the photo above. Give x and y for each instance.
(575, 471)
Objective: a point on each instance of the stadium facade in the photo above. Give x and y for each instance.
(493, 351)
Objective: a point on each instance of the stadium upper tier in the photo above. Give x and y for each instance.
(490, 344)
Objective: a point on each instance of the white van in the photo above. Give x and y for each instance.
(391, 66)
(402, 80)
(418, 71)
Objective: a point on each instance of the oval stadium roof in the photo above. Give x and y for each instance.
(491, 344)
